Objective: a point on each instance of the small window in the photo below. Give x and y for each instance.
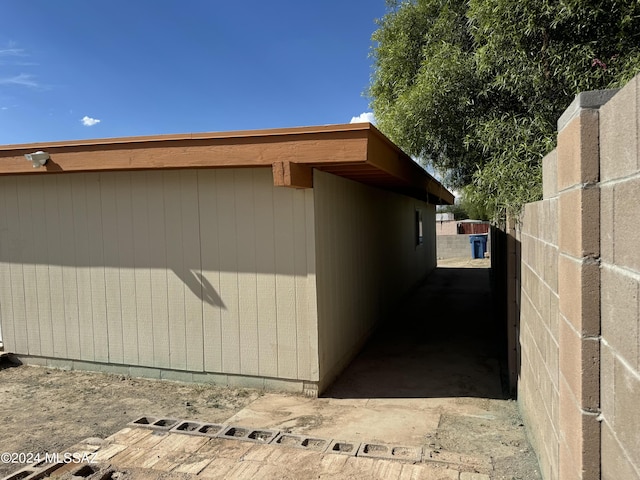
(419, 237)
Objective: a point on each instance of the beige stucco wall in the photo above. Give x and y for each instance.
(366, 259)
(184, 270)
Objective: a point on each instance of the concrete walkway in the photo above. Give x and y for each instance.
(430, 380)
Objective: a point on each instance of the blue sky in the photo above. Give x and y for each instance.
(146, 67)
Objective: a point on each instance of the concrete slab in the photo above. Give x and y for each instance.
(333, 418)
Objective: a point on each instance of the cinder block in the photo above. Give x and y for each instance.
(527, 221)
(545, 304)
(627, 209)
(554, 315)
(615, 463)
(532, 220)
(187, 427)
(391, 452)
(210, 429)
(579, 294)
(607, 384)
(192, 427)
(570, 468)
(550, 175)
(607, 226)
(343, 447)
(620, 312)
(579, 455)
(579, 365)
(578, 151)
(619, 133)
(303, 442)
(550, 267)
(248, 434)
(627, 413)
(553, 221)
(553, 361)
(25, 473)
(154, 423)
(551, 447)
(579, 222)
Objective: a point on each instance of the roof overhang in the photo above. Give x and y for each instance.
(356, 151)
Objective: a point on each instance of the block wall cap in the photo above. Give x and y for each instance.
(593, 99)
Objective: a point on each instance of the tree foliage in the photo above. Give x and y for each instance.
(475, 87)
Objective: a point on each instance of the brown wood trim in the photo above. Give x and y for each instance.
(356, 151)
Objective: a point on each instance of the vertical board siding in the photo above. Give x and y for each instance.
(68, 260)
(52, 245)
(196, 270)
(366, 258)
(266, 277)
(124, 228)
(109, 214)
(158, 272)
(285, 283)
(41, 286)
(191, 284)
(7, 229)
(175, 262)
(228, 251)
(247, 285)
(95, 265)
(212, 304)
(31, 330)
(142, 270)
(82, 243)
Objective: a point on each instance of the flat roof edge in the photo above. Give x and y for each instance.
(272, 132)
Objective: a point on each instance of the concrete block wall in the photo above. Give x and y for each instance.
(620, 284)
(579, 323)
(539, 334)
(578, 293)
(455, 246)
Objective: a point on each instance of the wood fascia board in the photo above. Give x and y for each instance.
(317, 145)
(384, 155)
(290, 152)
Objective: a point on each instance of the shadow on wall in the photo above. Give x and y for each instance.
(505, 284)
(441, 342)
(131, 227)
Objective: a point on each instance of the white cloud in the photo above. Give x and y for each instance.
(23, 79)
(89, 122)
(12, 52)
(364, 117)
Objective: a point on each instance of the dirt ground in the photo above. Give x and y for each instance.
(47, 410)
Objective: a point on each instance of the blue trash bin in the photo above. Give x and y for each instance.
(478, 245)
